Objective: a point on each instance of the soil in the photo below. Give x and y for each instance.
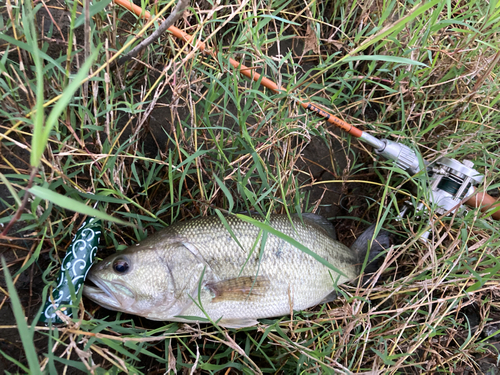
(321, 160)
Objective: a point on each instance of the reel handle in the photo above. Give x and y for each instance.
(485, 201)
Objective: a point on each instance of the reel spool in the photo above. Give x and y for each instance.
(452, 182)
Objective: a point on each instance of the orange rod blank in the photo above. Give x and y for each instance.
(128, 4)
(246, 71)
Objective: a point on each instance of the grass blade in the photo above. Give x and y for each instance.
(395, 59)
(73, 205)
(24, 332)
(226, 192)
(288, 239)
(11, 189)
(41, 135)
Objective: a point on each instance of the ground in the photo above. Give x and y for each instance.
(174, 135)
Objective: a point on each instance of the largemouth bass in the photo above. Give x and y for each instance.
(195, 270)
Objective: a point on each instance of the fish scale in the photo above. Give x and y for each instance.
(196, 268)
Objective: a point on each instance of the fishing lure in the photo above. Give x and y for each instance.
(74, 268)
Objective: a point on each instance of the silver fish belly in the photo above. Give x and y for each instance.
(197, 269)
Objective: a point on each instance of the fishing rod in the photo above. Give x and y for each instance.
(452, 183)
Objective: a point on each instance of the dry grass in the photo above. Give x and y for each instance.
(174, 134)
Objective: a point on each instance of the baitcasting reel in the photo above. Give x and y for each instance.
(451, 183)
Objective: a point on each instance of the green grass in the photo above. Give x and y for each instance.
(180, 135)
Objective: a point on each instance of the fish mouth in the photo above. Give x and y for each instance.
(108, 294)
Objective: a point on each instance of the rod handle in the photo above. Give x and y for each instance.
(485, 201)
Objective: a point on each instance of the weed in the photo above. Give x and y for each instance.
(175, 134)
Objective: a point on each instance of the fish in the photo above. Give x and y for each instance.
(199, 271)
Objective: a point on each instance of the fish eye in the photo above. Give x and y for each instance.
(121, 265)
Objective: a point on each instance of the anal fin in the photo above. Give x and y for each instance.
(329, 298)
(237, 323)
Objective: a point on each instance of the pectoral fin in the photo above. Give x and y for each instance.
(239, 289)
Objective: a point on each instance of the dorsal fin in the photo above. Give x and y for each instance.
(319, 221)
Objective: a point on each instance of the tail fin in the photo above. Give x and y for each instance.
(364, 243)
